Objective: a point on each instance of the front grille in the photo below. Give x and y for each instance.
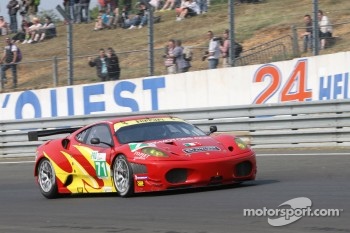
(243, 169)
(138, 168)
(177, 175)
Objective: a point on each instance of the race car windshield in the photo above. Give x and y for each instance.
(156, 131)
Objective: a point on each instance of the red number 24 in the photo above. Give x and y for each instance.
(297, 79)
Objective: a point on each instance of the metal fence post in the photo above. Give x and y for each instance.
(70, 44)
(55, 71)
(232, 33)
(2, 84)
(315, 29)
(296, 51)
(150, 40)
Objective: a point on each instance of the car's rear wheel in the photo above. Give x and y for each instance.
(123, 177)
(47, 179)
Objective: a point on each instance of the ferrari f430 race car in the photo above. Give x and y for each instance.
(137, 154)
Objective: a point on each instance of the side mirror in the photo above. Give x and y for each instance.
(95, 141)
(213, 129)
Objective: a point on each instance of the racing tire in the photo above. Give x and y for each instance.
(47, 179)
(123, 177)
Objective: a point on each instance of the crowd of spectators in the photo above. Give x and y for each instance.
(107, 65)
(325, 32)
(33, 30)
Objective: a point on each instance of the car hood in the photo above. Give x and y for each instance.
(192, 148)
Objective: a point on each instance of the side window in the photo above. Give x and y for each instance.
(82, 135)
(101, 132)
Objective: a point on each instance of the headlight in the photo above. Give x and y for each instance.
(154, 152)
(242, 145)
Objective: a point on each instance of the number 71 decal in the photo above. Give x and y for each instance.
(295, 89)
(101, 169)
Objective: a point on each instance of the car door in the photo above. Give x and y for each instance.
(94, 159)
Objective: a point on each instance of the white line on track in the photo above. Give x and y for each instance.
(17, 162)
(305, 154)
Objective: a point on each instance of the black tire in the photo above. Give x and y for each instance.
(123, 177)
(47, 179)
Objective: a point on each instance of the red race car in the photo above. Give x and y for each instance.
(136, 154)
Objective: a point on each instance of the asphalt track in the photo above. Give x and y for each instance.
(283, 175)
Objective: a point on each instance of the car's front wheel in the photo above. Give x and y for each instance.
(47, 179)
(123, 177)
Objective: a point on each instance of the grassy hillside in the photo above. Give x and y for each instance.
(254, 24)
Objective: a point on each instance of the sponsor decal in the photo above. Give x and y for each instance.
(150, 120)
(145, 120)
(101, 167)
(141, 177)
(201, 149)
(96, 156)
(179, 139)
(140, 155)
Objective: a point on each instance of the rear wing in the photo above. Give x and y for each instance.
(34, 135)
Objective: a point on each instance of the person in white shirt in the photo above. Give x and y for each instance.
(47, 31)
(187, 8)
(213, 53)
(32, 30)
(326, 29)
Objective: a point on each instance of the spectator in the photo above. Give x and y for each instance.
(102, 21)
(307, 35)
(187, 8)
(8, 61)
(13, 7)
(33, 8)
(141, 18)
(69, 9)
(4, 28)
(181, 64)
(20, 36)
(84, 14)
(325, 29)
(32, 30)
(169, 57)
(154, 3)
(101, 65)
(109, 7)
(47, 31)
(113, 67)
(77, 11)
(225, 49)
(168, 5)
(23, 10)
(124, 21)
(127, 5)
(213, 52)
(113, 14)
(203, 6)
